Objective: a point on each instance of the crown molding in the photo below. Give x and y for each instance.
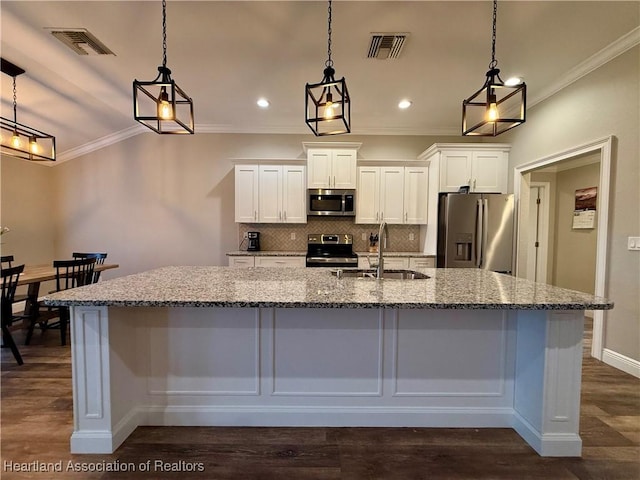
(592, 63)
(100, 143)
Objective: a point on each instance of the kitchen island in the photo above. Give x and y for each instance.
(301, 347)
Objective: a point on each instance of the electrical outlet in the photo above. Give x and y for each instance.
(246, 235)
(633, 243)
(364, 236)
(293, 235)
(412, 237)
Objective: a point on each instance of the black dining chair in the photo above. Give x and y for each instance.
(100, 258)
(7, 262)
(69, 274)
(10, 276)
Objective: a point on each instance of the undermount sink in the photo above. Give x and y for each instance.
(388, 274)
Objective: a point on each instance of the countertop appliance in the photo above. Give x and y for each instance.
(253, 241)
(330, 250)
(335, 202)
(475, 231)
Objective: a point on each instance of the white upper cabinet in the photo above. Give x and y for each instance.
(246, 193)
(416, 181)
(271, 194)
(282, 194)
(483, 167)
(331, 168)
(397, 195)
(392, 194)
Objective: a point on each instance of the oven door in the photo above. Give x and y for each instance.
(329, 261)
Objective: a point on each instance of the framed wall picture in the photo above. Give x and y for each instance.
(584, 213)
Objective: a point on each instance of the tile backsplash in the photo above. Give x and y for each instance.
(278, 237)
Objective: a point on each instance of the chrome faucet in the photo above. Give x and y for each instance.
(383, 234)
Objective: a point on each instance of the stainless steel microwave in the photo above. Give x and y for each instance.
(334, 202)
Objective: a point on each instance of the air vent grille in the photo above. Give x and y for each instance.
(81, 41)
(386, 45)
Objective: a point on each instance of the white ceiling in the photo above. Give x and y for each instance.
(227, 54)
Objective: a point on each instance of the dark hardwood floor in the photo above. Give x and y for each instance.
(37, 422)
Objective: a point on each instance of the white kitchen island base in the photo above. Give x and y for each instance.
(264, 366)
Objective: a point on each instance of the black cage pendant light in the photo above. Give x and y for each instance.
(327, 104)
(19, 140)
(496, 107)
(161, 104)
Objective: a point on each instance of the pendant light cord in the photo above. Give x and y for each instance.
(15, 101)
(164, 33)
(494, 62)
(329, 62)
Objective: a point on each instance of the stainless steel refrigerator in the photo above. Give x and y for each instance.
(476, 231)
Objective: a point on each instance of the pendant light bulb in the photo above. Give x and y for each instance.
(329, 111)
(33, 145)
(165, 111)
(492, 108)
(15, 140)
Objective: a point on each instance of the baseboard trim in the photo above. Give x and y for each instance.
(621, 362)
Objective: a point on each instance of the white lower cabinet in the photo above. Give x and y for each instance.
(240, 262)
(422, 262)
(279, 261)
(266, 261)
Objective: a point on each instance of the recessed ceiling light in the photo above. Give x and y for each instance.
(404, 104)
(263, 102)
(512, 81)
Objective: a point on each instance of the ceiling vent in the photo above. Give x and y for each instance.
(386, 45)
(81, 41)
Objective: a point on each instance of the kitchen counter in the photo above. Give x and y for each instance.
(318, 288)
(266, 346)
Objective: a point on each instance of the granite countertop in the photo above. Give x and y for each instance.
(317, 288)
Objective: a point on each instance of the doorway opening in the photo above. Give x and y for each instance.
(525, 188)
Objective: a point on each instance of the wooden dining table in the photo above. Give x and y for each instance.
(34, 275)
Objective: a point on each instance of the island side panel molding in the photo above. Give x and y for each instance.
(548, 377)
(426, 365)
(100, 424)
(203, 352)
(332, 353)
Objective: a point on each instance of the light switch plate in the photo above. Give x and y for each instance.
(633, 243)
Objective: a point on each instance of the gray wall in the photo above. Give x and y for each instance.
(574, 256)
(602, 103)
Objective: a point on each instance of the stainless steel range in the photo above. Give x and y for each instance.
(331, 250)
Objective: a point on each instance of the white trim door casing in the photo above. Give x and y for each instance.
(604, 146)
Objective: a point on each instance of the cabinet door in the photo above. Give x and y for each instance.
(416, 181)
(489, 172)
(241, 262)
(319, 168)
(392, 194)
(455, 170)
(270, 194)
(294, 194)
(343, 169)
(367, 195)
(277, 261)
(246, 193)
(396, 263)
(422, 262)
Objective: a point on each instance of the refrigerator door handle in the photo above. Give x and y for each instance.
(485, 229)
(478, 240)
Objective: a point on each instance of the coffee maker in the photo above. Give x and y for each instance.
(253, 241)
